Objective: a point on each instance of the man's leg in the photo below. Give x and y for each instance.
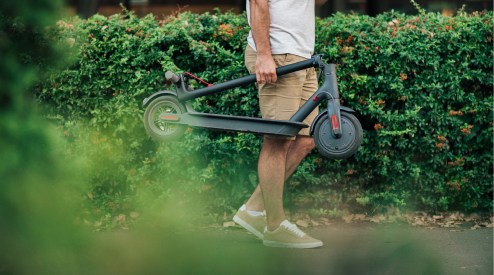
(279, 232)
(298, 150)
(271, 169)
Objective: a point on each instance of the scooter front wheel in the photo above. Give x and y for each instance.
(159, 130)
(338, 148)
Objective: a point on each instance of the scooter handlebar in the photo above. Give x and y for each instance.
(172, 77)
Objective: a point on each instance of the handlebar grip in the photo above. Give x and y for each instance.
(172, 77)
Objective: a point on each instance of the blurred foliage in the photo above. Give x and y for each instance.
(38, 191)
(421, 85)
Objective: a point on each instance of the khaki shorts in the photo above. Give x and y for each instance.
(282, 99)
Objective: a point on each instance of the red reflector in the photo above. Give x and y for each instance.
(169, 117)
(335, 122)
(315, 98)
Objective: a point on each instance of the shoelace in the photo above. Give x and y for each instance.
(292, 227)
(263, 214)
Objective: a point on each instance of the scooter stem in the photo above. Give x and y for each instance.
(332, 87)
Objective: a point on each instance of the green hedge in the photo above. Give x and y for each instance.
(421, 85)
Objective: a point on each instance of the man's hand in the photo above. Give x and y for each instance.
(265, 69)
(259, 22)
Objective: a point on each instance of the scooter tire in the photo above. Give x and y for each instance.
(343, 147)
(161, 131)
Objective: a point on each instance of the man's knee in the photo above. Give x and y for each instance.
(306, 142)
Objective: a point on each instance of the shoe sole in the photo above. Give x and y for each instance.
(291, 245)
(248, 227)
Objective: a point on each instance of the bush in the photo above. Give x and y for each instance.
(421, 85)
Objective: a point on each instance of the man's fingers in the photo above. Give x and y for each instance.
(274, 77)
(270, 77)
(267, 77)
(265, 70)
(261, 77)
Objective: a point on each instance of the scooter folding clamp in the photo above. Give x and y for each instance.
(317, 61)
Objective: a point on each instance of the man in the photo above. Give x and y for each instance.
(282, 33)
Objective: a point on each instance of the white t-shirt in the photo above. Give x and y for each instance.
(291, 27)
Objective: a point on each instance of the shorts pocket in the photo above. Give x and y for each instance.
(280, 59)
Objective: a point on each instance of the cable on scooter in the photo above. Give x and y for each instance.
(209, 85)
(319, 76)
(334, 107)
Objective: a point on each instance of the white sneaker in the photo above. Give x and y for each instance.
(289, 236)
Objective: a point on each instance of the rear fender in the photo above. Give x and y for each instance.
(157, 94)
(147, 100)
(313, 126)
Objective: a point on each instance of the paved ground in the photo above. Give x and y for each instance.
(359, 248)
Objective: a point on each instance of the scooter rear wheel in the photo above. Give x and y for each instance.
(158, 129)
(343, 147)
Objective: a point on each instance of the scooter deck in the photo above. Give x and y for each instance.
(241, 124)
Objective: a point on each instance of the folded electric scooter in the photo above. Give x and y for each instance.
(336, 132)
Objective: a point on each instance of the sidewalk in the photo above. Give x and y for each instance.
(355, 248)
